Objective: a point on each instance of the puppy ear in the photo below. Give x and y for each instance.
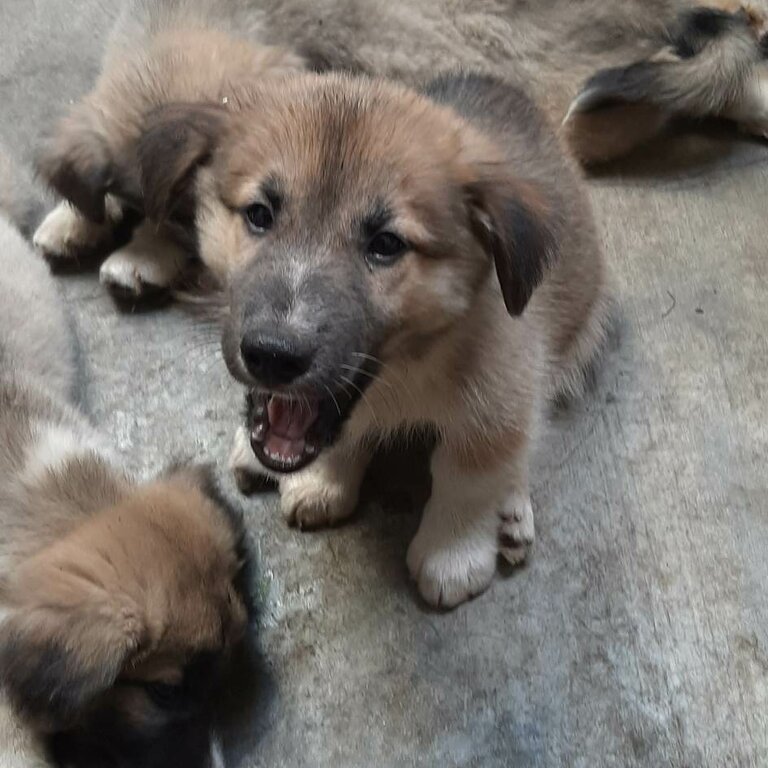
(176, 140)
(76, 163)
(513, 221)
(67, 636)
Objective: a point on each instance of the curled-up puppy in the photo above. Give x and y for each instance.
(712, 64)
(160, 51)
(393, 260)
(120, 603)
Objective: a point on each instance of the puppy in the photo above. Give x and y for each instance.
(120, 604)
(159, 52)
(392, 260)
(712, 63)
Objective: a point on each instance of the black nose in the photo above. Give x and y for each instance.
(274, 361)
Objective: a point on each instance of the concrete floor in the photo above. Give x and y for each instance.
(638, 634)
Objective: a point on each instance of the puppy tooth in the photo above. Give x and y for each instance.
(310, 449)
(258, 433)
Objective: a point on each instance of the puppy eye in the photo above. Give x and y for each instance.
(259, 218)
(385, 248)
(164, 695)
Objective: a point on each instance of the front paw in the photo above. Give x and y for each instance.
(448, 572)
(66, 235)
(147, 267)
(310, 499)
(517, 533)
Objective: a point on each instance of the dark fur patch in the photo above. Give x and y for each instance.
(618, 85)
(515, 232)
(697, 28)
(177, 139)
(78, 167)
(46, 683)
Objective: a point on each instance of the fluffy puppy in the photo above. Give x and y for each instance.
(711, 64)
(160, 51)
(120, 604)
(392, 260)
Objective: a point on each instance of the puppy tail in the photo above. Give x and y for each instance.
(22, 200)
(703, 70)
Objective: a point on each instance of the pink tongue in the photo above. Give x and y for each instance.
(290, 419)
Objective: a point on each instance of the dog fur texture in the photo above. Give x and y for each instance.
(469, 175)
(150, 61)
(158, 53)
(711, 62)
(119, 603)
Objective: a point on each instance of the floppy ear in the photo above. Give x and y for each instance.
(176, 140)
(513, 221)
(76, 162)
(67, 636)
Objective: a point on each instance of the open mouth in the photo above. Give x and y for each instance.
(283, 434)
(289, 430)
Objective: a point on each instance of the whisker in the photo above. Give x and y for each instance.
(333, 397)
(397, 374)
(367, 402)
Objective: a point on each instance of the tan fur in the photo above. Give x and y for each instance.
(452, 357)
(620, 109)
(102, 580)
(181, 53)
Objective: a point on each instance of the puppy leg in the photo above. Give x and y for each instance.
(65, 235)
(149, 264)
(517, 531)
(327, 491)
(453, 555)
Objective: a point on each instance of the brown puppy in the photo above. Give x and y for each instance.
(120, 603)
(393, 260)
(158, 53)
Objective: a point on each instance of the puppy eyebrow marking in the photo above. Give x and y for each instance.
(377, 218)
(272, 190)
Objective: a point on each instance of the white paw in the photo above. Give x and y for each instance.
(65, 235)
(311, 499)
(146, 265)
(248, 473)
(451, 570)
(517, 533)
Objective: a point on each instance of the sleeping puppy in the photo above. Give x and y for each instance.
(711, 64)
(120, 603)
(392, 260)
(160, 51)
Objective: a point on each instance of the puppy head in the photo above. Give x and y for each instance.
(117, 635)
(354, 223)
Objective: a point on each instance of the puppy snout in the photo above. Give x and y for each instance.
(274, 361)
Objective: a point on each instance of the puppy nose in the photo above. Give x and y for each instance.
(274, 361)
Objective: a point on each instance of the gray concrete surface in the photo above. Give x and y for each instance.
(638, 634)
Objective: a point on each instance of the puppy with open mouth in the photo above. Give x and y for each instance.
(121, 605)
(392, 260)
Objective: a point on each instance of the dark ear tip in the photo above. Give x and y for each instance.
(175, 139)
